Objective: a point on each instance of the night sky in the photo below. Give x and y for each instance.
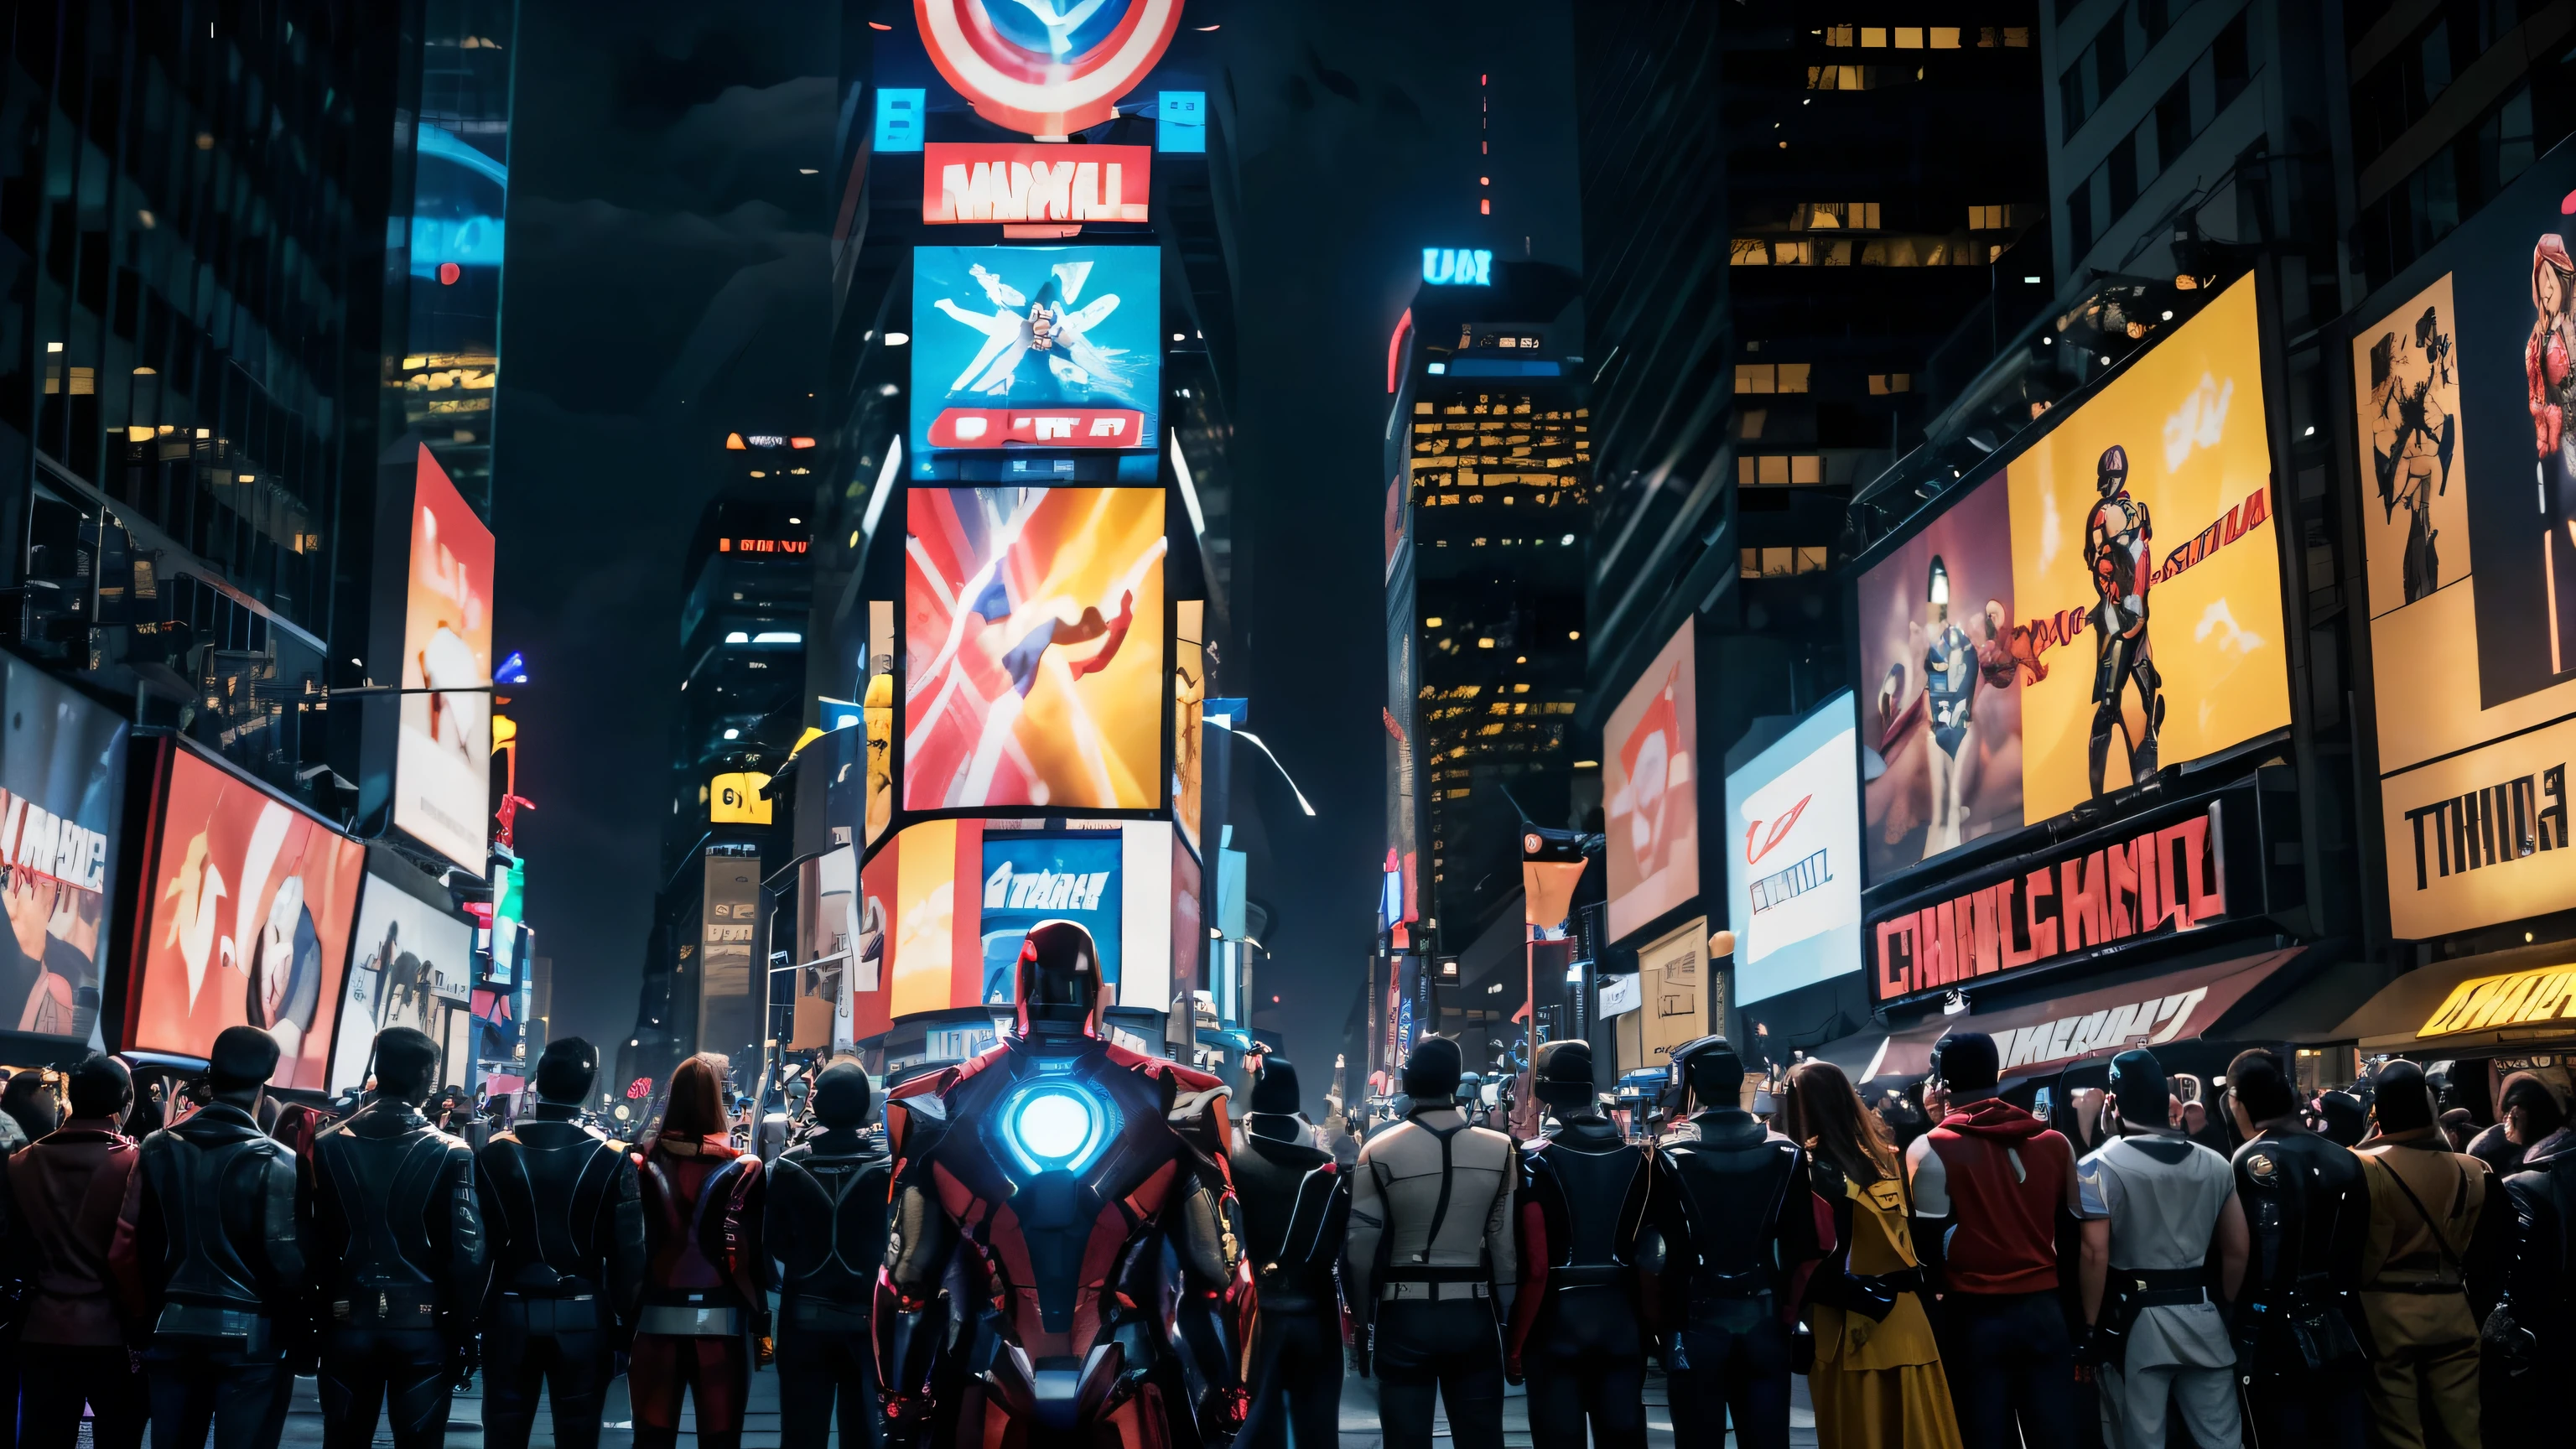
(666, 280)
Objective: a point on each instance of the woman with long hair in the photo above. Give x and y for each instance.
(706, 1306)
(1877, 1381)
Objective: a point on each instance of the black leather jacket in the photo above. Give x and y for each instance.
(1591, 1207)
(2540, 1288)
(215, 1222)
(1748, 1225)
(392, 1228)
(559, 1203)
(827, 1218)
(1296, 1211)
(2307, 1207)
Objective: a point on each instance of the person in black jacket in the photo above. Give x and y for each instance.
(2308, 1207)
(826, 1226)
(1582, 1320)
(1296, 1211)
(215, 1263)
(396, 1241)
(567, 1249)
(1737, 1262)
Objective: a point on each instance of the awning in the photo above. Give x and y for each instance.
(2505, 999)
(1857, 1054)
(2032, 1040)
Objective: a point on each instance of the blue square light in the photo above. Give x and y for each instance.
(1181, 121)
(899, 119)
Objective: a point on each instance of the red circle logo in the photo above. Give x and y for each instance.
(1046, 67)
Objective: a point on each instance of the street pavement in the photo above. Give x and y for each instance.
(760, 1427)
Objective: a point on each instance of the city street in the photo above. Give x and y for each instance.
(760, 1430)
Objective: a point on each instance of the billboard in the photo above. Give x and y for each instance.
(1046, 70)
(247, 910)
(1034, 671)
(2111, 649)
(1650, 781)
(411, 964)
(1189, 709)
(1793, 857)
(828, 913)
(62, 787)
(443, 761)
(1033, 878)
(1941, 728)
(992, 181)
(2463, 400)
(1035, 347)
(731, 992)
(2177, 439)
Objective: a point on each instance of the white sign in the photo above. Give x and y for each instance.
(1793, 862)
(1621, 996)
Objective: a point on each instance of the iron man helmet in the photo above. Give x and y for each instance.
(1059, 985)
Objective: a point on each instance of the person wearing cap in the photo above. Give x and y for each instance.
(2155, 1206)
(395, 1235)
(2533, 1327)
(1430, 1260)
(1296, 1212)
(1580, 1321)
(1989, 1181)
(214, 1261)
(566, 1230)
(2307, 1207)
(2440, 1235)
(826, 1226)
(60, 1203)
(1746, 1231)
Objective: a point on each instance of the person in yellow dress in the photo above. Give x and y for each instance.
(1877, 1381)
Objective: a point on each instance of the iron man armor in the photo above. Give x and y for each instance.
(1039, 1185)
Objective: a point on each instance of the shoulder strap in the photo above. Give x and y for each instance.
(2441, 1244)
(1448, 1177)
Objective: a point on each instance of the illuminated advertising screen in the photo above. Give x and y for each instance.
(1189, 708)
(247, 913)
(1940, 711)
(1035, 347)
(62, 783)
(732, 979)
(1033, 878)
(827, 927)
(2139, 624)
(2464, 416)
(1046, 70)
(1650, 783)
(443, 761)
(1034, 668)
(1793, 857)
(991, 181)
(411, 964)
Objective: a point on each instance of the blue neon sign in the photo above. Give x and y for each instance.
(899, 113)
(1454, 267)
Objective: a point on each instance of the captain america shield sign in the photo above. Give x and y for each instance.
(1046, 67)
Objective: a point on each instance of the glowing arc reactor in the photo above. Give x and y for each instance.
(1056, 1125)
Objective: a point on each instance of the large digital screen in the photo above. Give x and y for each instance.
(62, 781)
(1650, 782)
(1941, 718)
(411, 964)
(1035, 347)
(247, 912)
(1033, 878)
(443, 761)
(2139, 624)
(1034, 652)
(2464, 412)
(1793, 856)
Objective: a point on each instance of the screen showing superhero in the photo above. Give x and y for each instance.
(2413, 416)
(2119, 542)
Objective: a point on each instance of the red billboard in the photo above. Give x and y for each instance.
(245, 919)
(989, 181)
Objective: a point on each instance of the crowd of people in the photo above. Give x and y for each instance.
(1955, 1273)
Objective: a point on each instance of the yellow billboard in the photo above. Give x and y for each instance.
(2147, 564)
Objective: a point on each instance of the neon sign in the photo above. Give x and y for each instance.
(1453, 267)
(1046, 67)
(1026, 181)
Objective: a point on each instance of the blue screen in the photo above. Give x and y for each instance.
(1181, 122)
(1028, 879)
(1035, 347)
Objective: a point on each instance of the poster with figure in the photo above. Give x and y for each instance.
(248, 906)
(1650, 788)
(1035, 347)
(411, 964)
(62, 786)
(1940, 706)
(2415, 513)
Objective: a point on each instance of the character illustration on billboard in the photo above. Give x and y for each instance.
(1953, 666)
(1053, 329)
(38, 989)
(277, 954)
(1655, 761)
(2549, 366)
(2414, 433)
(2118, 549)
(286, 971)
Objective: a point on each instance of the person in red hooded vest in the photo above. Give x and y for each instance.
(60, 1202)
(706, 1305)
(1989, 1182)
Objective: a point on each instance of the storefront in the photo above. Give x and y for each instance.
(2496, 1014)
